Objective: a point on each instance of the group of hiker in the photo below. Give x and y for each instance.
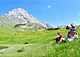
(72, 34)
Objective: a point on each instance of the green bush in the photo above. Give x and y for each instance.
(26, 43)
(67, 27)
(3, 47)
(20, 50)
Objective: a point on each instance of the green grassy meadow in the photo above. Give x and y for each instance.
(40, 44)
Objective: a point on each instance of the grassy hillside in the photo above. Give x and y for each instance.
(40, 44)
(32, 27)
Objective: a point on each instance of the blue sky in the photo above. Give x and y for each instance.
(55, 12)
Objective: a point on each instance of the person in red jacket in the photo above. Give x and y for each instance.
(58, 38)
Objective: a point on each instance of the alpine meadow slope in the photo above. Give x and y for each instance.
(40, 44)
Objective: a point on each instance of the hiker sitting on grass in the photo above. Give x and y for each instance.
(58, 37)
(73, 28)
(74, 36)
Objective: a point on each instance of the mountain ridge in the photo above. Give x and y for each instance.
(21, 16)
(63, 26)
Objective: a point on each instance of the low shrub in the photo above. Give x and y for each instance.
(20, 50)
(26, 43)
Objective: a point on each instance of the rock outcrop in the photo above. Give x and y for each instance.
(47, 25)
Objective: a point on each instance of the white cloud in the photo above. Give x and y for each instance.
(49, 6)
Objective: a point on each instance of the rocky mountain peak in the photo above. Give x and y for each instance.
(17, 11)
(22, 14)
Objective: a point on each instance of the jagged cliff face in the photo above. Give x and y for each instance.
(20, 16)
(21, 13)
(48, 25)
